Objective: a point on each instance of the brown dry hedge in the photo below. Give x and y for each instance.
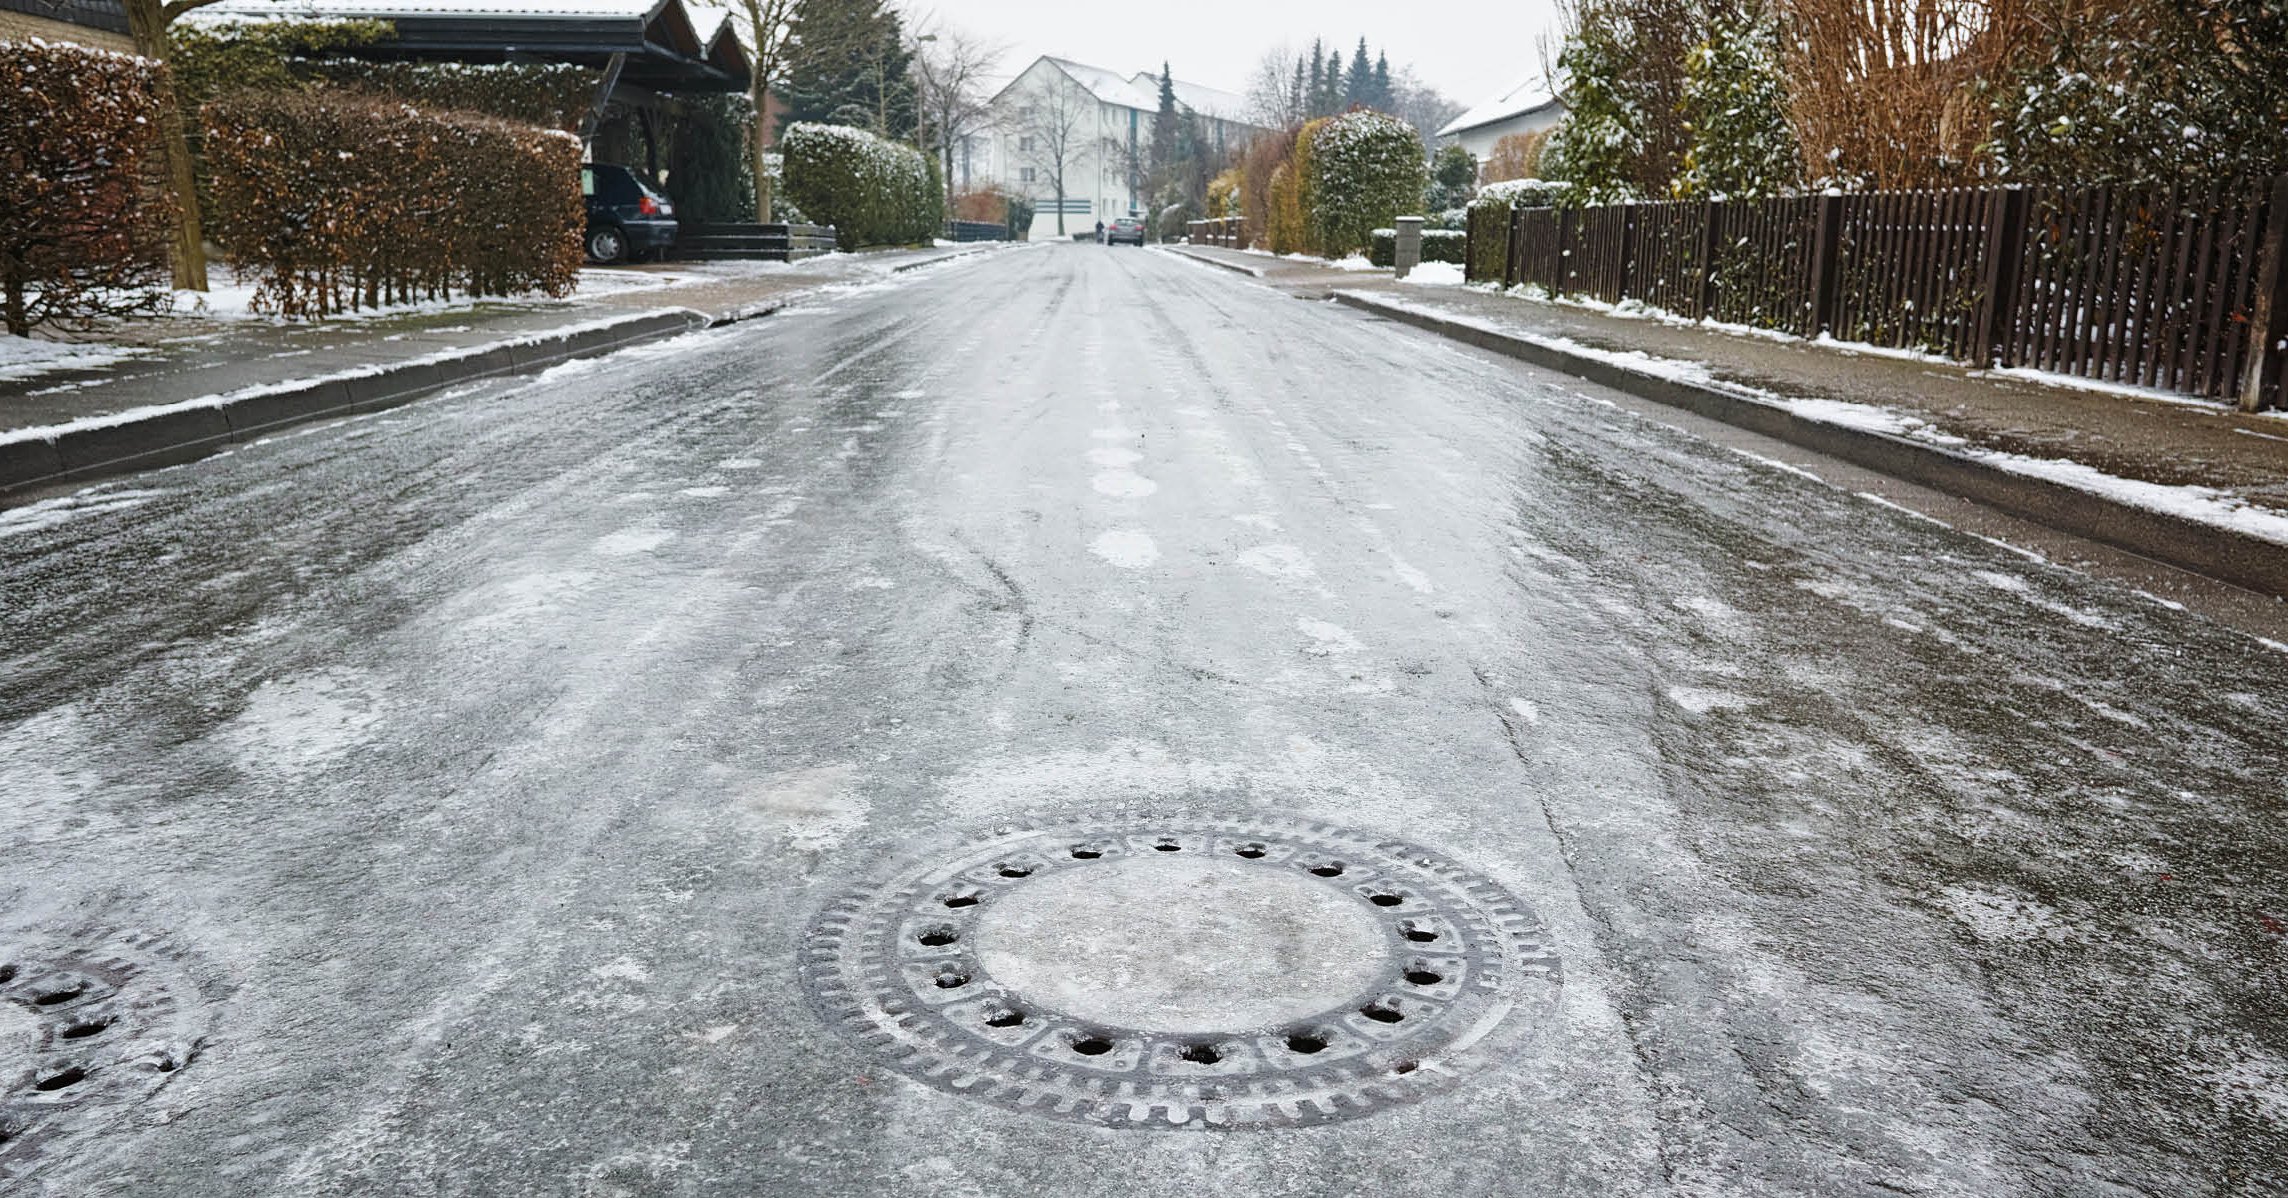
(83, 218)
(339, 202)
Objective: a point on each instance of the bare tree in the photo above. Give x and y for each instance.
(949, 74)
(1053, 131)
(1420, 105)
(1275, 90)
(768, 22)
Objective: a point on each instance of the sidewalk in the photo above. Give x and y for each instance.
(174, 388)
(2192, 461)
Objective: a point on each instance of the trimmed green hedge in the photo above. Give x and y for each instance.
(1438, 245)
(874, 192)
(339, 202)
(1367, 169)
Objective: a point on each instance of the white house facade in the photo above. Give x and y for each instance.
(1529, 107)
(1091, 127)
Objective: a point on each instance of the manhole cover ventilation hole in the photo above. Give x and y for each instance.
(1225, 974)
(89, 1024)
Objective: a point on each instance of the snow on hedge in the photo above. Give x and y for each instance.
(873, 191)
(1368, 170)
(1512, 194)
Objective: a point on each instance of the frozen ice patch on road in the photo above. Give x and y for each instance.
(49, 513)
(2258, 1081)
(813, 809)
(632, 541)
(1700, 702)
(1128, 549)
(625, 969)
(303, 723)
(704, 492)
(1327, 639)
(1994, 916)
(1113, 459)
(1278, 561)
(1415, 580)
(739, 464)
(1124, 484)
(1525, 710)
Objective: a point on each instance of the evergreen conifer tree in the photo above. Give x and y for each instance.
(1384, 99)
(1358, 84)
(848, 64)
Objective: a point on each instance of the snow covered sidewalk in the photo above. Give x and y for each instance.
(174, 388)
(2193, 483)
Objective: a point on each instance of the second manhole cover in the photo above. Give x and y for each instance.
(1236, 973)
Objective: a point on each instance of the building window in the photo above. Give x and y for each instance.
(1024, 145)
(1025, 174)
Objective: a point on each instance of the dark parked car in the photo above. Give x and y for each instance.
(625, 217)
(1126, 228)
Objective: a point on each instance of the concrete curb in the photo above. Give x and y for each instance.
(984, 247)
(1253, 272)
(2206, 549)
(168, 435)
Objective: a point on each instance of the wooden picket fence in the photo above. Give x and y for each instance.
(2180, 289)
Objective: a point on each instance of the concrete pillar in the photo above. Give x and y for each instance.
(1409, 244)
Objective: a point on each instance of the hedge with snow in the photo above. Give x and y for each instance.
(1367, 170)
(82, 234)
(341, 202)
(873, 191)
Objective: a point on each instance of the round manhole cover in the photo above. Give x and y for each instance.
(90, 1024)
(1231, 973)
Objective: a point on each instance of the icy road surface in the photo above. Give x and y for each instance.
(463, 776)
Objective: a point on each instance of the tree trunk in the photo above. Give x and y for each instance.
(760, 145)
(147, 24)
(12, 306)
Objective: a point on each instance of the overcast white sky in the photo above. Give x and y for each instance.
(1469, 49)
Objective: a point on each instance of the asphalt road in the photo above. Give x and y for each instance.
(449, 788)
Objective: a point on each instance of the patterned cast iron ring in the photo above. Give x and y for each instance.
(91, 1023)
(1229, 973)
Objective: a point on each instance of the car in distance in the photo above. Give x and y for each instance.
(1126, 228)
(626, 218)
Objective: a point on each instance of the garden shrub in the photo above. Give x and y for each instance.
(1453, 178)
(1438, 245)
(873, 191)
(1366, 169)
(552, 95)
(339, 202)
(83, 221)
(1287, 231)
(1305, 180)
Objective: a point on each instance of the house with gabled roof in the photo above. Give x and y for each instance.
(1074, 139)
(1529, 106)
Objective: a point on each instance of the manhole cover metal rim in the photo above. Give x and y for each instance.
(868, 974)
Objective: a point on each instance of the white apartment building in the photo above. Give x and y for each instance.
(1094, 125)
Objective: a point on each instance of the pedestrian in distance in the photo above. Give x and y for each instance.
(1100, 232)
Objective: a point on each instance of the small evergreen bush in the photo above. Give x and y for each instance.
(874, 192)
(1438, 245)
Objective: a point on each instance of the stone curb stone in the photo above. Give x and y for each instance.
(2201, 548)
(167, 438)
(1253, 272)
